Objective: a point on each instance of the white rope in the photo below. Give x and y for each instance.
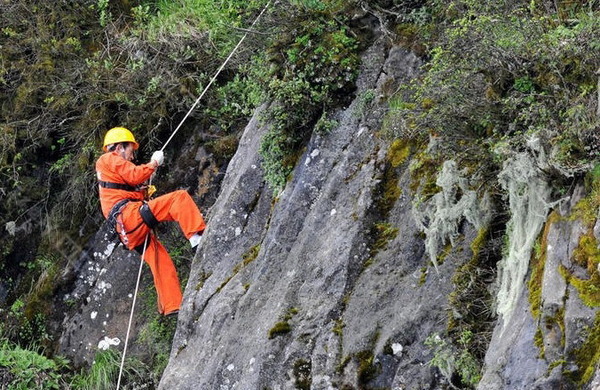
(214, 77)
(137, 285)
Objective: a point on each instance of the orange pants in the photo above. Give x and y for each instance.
(174, 206)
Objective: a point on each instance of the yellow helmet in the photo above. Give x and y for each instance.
(119, 134)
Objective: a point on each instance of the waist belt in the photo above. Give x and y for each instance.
(117, 186)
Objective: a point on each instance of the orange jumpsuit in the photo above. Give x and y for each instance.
(175, 206)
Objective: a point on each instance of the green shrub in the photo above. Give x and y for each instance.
(193, 17)
(504, 72)
(236, 100)
(24, 328)
(451, 359)
(28, 369)
(104, 373)
(318, 64)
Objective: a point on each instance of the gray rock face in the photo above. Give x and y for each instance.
(98, 302)
(513, 361)
(307, 310)
(296, 292)
(106, 276)
(302, 289)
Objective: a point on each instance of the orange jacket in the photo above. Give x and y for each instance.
(113, 168)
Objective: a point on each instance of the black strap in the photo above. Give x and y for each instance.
(147, 216)
(112, 217)
(116, 209)
(140, 248)
(116, 186)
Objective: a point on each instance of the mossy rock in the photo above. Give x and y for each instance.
(367, 370)
(280, 328)
(302, 374)
(588, 355)
(398, 152)
(587, 255)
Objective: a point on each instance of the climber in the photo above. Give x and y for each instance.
(123, 194)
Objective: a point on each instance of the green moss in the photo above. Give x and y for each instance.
(385, 233)
(390, 191)
(398, 152)
(535, 282)
(366, 369)
(251, 255)
(248, 258)
(538, 263)
(343, 363)
(283, 326)
(555, 364)
(280, 328)
(588, 289)
(423, 277)
(202, 279)
(586, 255)
(478, 243)
(369, 262)
(538, 340)
(302, 374)
(382, 234)
(291, 312)
(443, 254)
(423, 172)
(588, 355)
(386, 196)
(224, 283)
(338, 328)
(557, 319)
(587, 208)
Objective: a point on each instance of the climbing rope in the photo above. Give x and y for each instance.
(137, 285)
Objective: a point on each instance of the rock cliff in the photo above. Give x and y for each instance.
(329, 285)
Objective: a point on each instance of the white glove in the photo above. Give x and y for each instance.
(158, 157)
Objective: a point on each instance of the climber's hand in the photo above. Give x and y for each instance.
(158, 157)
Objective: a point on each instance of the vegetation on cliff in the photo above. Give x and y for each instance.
(500, 77)
(68, 72)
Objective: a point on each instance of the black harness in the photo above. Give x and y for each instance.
(148, 217)
(117, 186)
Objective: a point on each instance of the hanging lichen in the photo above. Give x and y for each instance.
(529, 202)
(440, 216)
